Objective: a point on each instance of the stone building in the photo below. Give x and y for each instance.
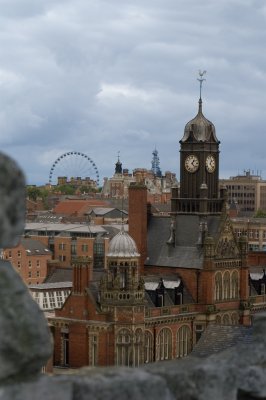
(167, 280)
(247, 191)
(158, 185)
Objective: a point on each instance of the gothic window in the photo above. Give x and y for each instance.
(234, 318)
(65, 348)
(137, 347)
(183, 341)
(93, 349)
(226, 285)
(148, 347)
(218, 286)
(164, 345)
(234, 285)
(123, 348)
(226, 319)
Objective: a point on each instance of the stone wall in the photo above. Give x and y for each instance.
(25, 344)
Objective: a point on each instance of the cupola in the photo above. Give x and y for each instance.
(123, 246)
(199, 129)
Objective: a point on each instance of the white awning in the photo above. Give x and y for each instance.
(171, 284)
(151, 285)
(255, 276)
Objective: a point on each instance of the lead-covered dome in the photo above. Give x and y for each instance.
(200, 129)
(122, 245)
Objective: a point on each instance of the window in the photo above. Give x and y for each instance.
(98, 253)
(65, 348)
(38, 274)
(45, 301)
(234, 285)
(183, 341)
(29, 274)
(137, 348)
(198, 329)
(9, 254)
(123, 346)
(62, 246)
(226, 285)
(148, 347)
(59, 298)
(19, 253)
(84, 248)
(52, 299)
(218, 286)
(29, 263)
(164, 345)
(19, 264)
(62, 257)
(93, 348)
(262, 288)
(226, 319)
(234, 318)
(38, 263)
(74, 248)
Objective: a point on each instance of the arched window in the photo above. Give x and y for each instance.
(164, 345)
(234, 318)
(218, 286)
(148, 347)
(218, 320)
(183, 341)
(138, 342)
(226, 285)
(123, 348)
(226, 319)
(234, 285)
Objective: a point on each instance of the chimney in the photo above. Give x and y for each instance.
(82, 274)
(137, 214)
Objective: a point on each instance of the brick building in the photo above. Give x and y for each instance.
(165, 281)
(30, 259)
(72, 240)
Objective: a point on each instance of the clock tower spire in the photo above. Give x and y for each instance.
(199, 165)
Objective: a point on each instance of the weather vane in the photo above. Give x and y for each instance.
(201, 79)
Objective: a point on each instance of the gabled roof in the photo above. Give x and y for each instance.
(77, 207)
(100, 211)
(186, 252)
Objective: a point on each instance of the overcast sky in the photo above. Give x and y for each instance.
(102, 76)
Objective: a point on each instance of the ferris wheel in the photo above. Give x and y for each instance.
(73, 165)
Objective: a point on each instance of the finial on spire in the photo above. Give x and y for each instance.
(118, 155)
(201, 79)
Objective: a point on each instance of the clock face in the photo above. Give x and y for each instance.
(210, 163)
(191, 163)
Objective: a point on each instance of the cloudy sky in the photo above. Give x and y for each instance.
(102, 76)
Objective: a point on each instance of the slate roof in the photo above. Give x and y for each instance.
(100, 211)
(54, 285)
(60, 275)
(217, 338)
(186, 253)
(34, 247)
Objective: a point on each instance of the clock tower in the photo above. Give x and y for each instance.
(199, 166)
